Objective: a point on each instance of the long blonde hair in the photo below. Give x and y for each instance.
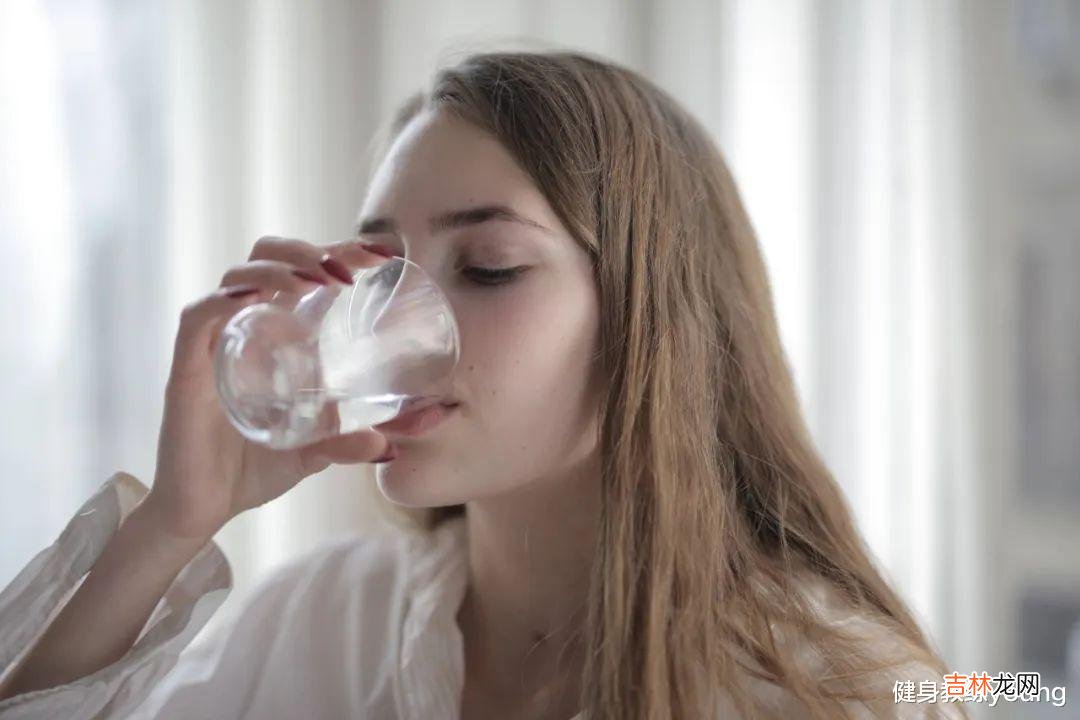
(716, 505)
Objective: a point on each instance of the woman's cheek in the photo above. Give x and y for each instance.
(503, 332)
(526, 369)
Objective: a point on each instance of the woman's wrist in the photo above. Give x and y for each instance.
(170, 542)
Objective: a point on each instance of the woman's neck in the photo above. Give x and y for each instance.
(530, 558)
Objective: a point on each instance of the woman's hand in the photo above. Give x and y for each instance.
(207, 472)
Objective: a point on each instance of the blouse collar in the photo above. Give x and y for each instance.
(431, 662)
(431, 665)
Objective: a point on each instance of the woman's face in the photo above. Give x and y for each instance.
(525, 379)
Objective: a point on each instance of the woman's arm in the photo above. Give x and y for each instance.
(128, 580)
(207, 473)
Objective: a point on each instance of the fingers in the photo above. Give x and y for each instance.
(331, 262)
(353, 254)
(275, 264)
(275, 275)
(201, 323)
(357, 447)
(298, 253)
(365, 445)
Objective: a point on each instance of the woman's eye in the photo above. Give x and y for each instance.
(491, 276)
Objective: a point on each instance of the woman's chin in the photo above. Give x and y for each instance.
(412, 486)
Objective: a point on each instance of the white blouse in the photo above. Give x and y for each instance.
(358, 628)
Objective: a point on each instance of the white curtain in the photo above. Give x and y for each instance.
(81, 198)
(143, 150)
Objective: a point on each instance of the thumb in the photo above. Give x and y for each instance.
(356, 447)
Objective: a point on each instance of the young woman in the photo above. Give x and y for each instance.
(628, 517)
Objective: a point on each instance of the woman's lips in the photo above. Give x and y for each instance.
(415, 422)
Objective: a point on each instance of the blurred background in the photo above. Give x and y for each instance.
(912, 169)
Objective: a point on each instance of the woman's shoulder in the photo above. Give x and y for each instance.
(881, 639)
(874, 638)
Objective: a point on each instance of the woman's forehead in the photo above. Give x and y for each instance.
(439, 162)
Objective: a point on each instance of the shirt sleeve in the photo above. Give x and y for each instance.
(33, 599)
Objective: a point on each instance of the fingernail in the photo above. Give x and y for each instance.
(384, 250)
(390, 454)
(336, 269)
(305, 275)
(242, 291)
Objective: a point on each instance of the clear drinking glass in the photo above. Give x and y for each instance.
(301, 368)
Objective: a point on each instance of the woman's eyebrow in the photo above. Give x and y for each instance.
(453, 219)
